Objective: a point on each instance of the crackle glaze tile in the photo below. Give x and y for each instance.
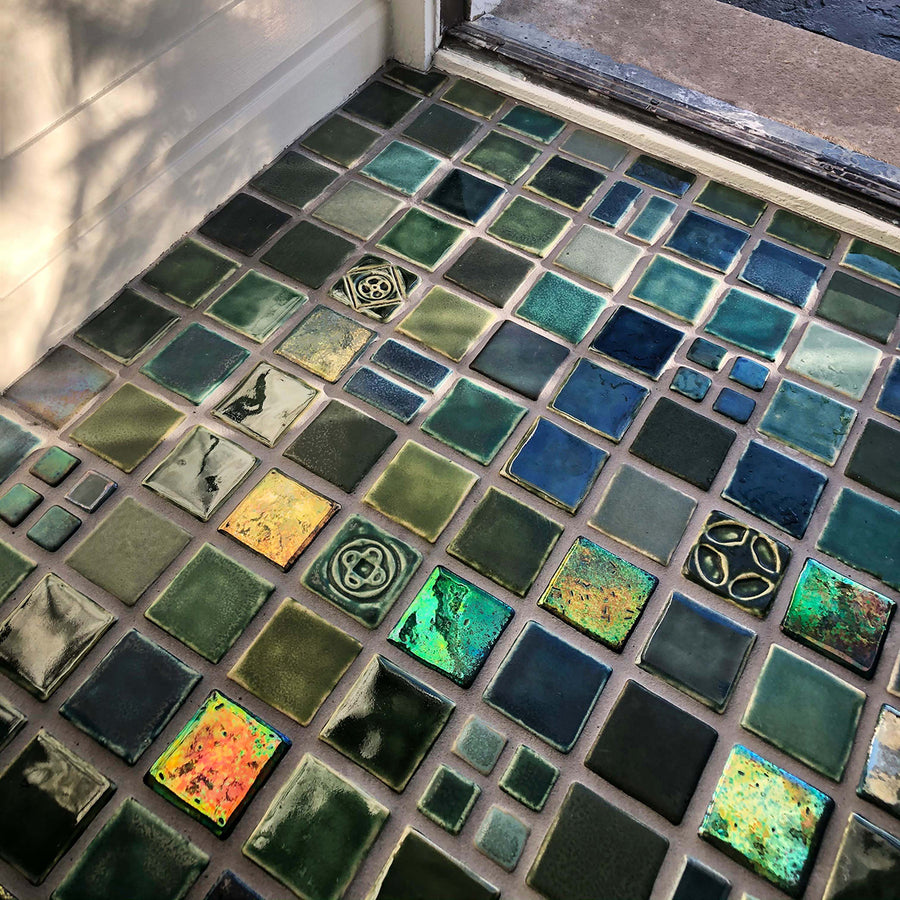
(415, 367)
(421, 238)
(189, 272)
(561, 307)
(707, 241)
(600, 257)
(652, 220)
(501, 837)
(782, 273)
(401, 167)
(256, 306)
(385, 394)
(448, 799)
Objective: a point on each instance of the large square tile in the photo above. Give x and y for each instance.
(867, 864)
(358, 209)
(465, 196)
(637, 341)
(674, 288)
(421, 238)
(308, 254)
(782, 273)
(490, 271)
(402, 167)
(340, 139)
(530, 226)
(707, 241)
(502, 156)
(600, 257)
(189, 272)
(561, 307)
(876, 459)
(255, 306)
(383, 104)
(294, 179)
(751, 323)
(860, 306)
(835, 360)
(568, 183)
(446, 323)
(244, 223)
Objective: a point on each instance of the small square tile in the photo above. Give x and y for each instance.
(341, 445)
(600, 257)
(422, 82)
(889, 398)
(751, 323)
(296, 661)
(749, 373)
(699, 882)
(652, 220)
(803, 233)
(20, 501)
(137, 855)
(402, 167)
(625, 854)
(734, 405)
(556, 465)
(55, 391)
(860, 306)
(719, 651)
(12, 721)
(490, 271)
(362, 571)
(128, 326)
(547, 686)
(529, 778)
(381, 104)
(879, 782)
(617, 202)
(15, 567)
(256, 306)
(358, 209)
(341, 140)
(201, 472)
(637, 341)
(530, 226)
(446, 323)
(127, 427)
(48, 634)
(782, 273)
(502, 156)
(661, 175)
(294, 179)
(867, 864)
(875, 461)
(870, 259)
(766, 819)
(835, 360)
(776, 488)
(387, 722)
(421, 238)
(128, 550)
(520, 359)
(448, 799)
(596, 148)
(568, 183)
(652, 750)
(55, 526)
(707, 354)
(561, 307)
(54, 465)
(189, 272)
(533, 123)
(130, 697)
(326, 343)
(244, 223)
(385, 394)
(707, 241)
(279, 518)
(308, 254)
(505, 540)
(674, 288)
(805, 711)
(479, 745)
(44, 816)
(473, 98)
(731, 203)
(643, 513)
(691, 384)
(229, 887)
(415, 367)
(501, 837)
(441, 129)
(461, 194)
(210, 602)
(216, 764)
(598, 593)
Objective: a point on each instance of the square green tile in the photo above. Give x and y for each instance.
(501, 837)
(12, 721)
(870, 259)
(210, 602)
(803, 233)
(446, 323)
(55, 526)
(421, 490)
(561, 307)
(565, 181)
(421, 238)
(341, 140)
(441, 129)
(502, 156)
(308, 254)
(731, 203)
(533, 123)
(652, 220)
(596, 148)
(876, 459)
(402, 167)
(600, 257)
(448, 799)
(860, 307)
(529, 226)
(751, 323)
(127, 427)
(421, 82)
(17, 504)
(358, 209)
(835, 360)
(294, 179)
(189, 273)
(490, 271)
(128, 550)
(675, 288)
(296, 661)
(382, 104)
(464, 196)
(529, 778)
(92, 491)
(479, 745)
(473, 98)
(805, 711)
(15, 567)
(54, 465)
(256, 306)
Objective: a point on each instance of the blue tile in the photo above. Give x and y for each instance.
(651, 220)
(556, 465)
(640, 342)
(661, 175)
(749, 373)
(384, 394)
(889, 400)
(410, 364)
(707, 241)
(599, 399)
(737, 406)
(775, 488)
(691, 384)
(616, 203)
(707, 354)
(782, 273)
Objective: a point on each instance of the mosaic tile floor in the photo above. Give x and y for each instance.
(472, 505)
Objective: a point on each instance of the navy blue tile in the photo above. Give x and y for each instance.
(691, 384)
(698, 882)
(410, 364)
(707, 354)
(384, 394)
(776, 488)
(782, 273)
(616, 203)
(889, 400)
(707, 241)
(661, 175)
(640, 342)
(737, 406)
(464, 195)
(749, 373)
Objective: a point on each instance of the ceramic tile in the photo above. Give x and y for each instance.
(561, 307)
(600, 257)
(279, 518)
(446, 323)
(661, 175)
(805, 711)
(547, 686)
(127, 427)
(295, 179)
(719, 651)
(189, 272)
(326, 343)
(731, 203)
(479, 745)
(137, 854)
(501, 837)
(643, 513)
(889, 398)
(751, 323)
(358, 209)
(652, 220)
(699, 882)
(556, 465)
(465, 196)
(865, 534)
(421, 238)
(568, 183)
(505, 540)
(130, 697)
(387, 722)
(421, 82)
(529, 778)
(626, 855)
(803, 233)
(421, 370)
(201, 472)
(775, 488)
(128, 326)
(473, 98)
(749, 373)
(893, 685)
(502, 156)
(490, 271)
(879, 782)
(734, 405)
(441, 129)
(141, 542)
(533, 123)
(16, 443)
(519, 359)
(738, 563)
(12, 721)
(256, 306)
(875, 461)
(54, 391)
(54, 465)
(308, 254)
(867, 864)
(374, 287)
(296, 661)
(210, 602)
(835, 360)
(402, 167)
(691, 384)
(637, 341)
(860, 306)
(244, 223)
(384, 393)
(870, 259)
(448, 799)
(229, 887)
(529, 226)
(782, 273)
(596, 148)
(341, 445)
(707, 354)
(47, 635)
(652, 750)
(382, 104)
(807, 421)
(49, 796)
(674, 288)
(340, 140)
(55, 526)
(617, 202)
(15, 567)
(17, 504)
(767, 820)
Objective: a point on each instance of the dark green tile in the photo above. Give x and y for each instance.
(341, 140)
(529, 226)
(501, 837)
(421, 238)
(244, 223)
(189, 273)
(309, 254)
(561, 307)
(256, 306)
(502, 156)
(55, 526)
(54, 465)
(860, 307)
(489, 271)
(479, 745)
(473, 98)
(876, 459)
(699, 882)
(12, 721)
(596, 148)
(422, 82)
(731, 203)
(448, 799)
(441, 129)
(402, 167)
(533, 123)
(92, 491)
(867, 866)
(803, 233)
(294, 179)
(17, 504)
(461, 194)
(566, 182)
(529, 778)
(382, 104)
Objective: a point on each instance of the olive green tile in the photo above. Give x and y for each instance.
(596, 148)
(730, 202)
(309, 254)
(421, 238)
(441, 129)
(448, 799)
(473, 98)
(358, 209)
(294, 179)
(54, 465)
(599, 256)
(15, 567)
(501, 837)
(489, 270)
(835, 360)
(189, 273)
(256, 306)
(803, 233)
(446, 323)
(859, 306)
(502, 156)
(341, 140)
(529, 226)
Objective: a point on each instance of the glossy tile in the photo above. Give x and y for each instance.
(441, 129)
(501, 837)
(340, 140)
(490, 271)
(679, 290)
(595, 148)
(707, 354)
(617, 202)
(15, 567)
(637, 341)
(473, 98)
(751, 323)
(421, 82)
(652, 220)
(699, 882)
(661, 175)
(533, 123)
(529, 778)
(870, 259)
(55, 526)
(465, 196)
(803, 233)
(529, 226)
(860, 306)
(448, 799)
(244, 223)
(835, 360)
(876, 459)
(561, 307)
(600, 257)
(54, 465)
(749, 373)
(479, 745)
(731, 203)
(691, 384)
(12, 721)
(502, 156)
(736, 406)
(381, 104)
(230, 887)
(867, 864)
(402, 167)
(308, 254)
(384, 393)
(568, 183)
(358, 209)
(782, 273)
(189, 272)
(401, 360)
(374, 287)
(19, 502)
(879, 782)
(256, 306)
(296, 179)
(421, 238)
(889, 398)
(16, 443)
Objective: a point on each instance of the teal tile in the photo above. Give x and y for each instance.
(256, 306)
(421, 238)
(707, 354)
(533, 123)
(501, 837)
(530, 226)
(599, 256)
(448, 799)
(309, 254)
(561, 307)
(803, 233)
(53, 528)
(189, 273)
(402, 167)
(595, 148)
(19, 502)
(294, 179)
(54, 465)
(731, 203)
(661, 175)
(502, 156)
(691, 384)
(707, 241)
(870, 259)
(835, 360)
(751, 323)
(650, 222)
(479, 745)
(341, 140)
(675, 288)
(859, 306)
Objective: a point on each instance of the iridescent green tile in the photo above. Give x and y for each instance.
(751, 323)
(835, 360)
(767, 820)
(54, 465)
(358, 209)
(448, 799)
(19, 502)
(473, 98)
(599, 257)
(652, 220)
(55, 526)
(561, 307)
(402, 167)
(341, 140)
(501, 837)
(870, 259)
(15, 567)
(446, 323)
(596, 148)
(879, 782)
(803, 233)
(502, 156)
(860, 306)
(294, 179)
(189, 273)
(675, 288)
(382, 104)
(308, 254)
(731, 203)
(441, 129)
(533, 123)
(529, 778)
(256, 306)
(529, 226)
(479, 745)
(421, 238)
